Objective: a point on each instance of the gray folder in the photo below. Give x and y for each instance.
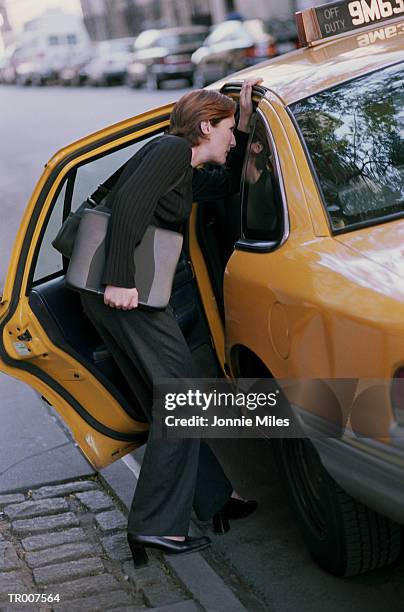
(156, 259)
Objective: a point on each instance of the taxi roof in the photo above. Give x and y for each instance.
(307, 71)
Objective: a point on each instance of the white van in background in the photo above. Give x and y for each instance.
(47, 44)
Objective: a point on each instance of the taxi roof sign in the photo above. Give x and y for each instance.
(316, 24)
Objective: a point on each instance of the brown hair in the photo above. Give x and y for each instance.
(196, 106)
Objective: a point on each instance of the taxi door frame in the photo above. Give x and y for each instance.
(101, 442)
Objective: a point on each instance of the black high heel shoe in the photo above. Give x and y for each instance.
(138, 544)
(233, 509)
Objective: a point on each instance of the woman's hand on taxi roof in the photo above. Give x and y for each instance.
(246, 104)
(120, 297)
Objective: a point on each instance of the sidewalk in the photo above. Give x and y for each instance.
(68, 542)
(70, 539)
(35, 449)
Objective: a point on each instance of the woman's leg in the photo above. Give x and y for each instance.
(164, 493)
(213, 489)
(154, 346)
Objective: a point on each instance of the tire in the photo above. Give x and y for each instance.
(130, 82)
(199, 81)
(152, 82)
(343, 536)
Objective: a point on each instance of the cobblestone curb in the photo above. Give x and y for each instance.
(69, 541)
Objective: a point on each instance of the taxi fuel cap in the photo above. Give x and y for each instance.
(338, 18)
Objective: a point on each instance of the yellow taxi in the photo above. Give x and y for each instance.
(300, 277)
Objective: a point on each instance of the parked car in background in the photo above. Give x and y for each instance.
(25, 74)
(161, 55)
(9, 60)
(42, 70)
(3, 65)
(110, 62)
(285, 33)
(45, 45)
(74, 72)
(232, 45)
(7, 71)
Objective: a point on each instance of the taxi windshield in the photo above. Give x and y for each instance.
(355, 137)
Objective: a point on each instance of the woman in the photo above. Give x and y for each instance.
(158, 187)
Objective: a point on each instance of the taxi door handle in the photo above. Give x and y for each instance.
(25, 337)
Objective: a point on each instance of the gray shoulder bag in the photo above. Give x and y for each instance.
(156, 258)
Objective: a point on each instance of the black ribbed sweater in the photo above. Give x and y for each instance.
(158, 187)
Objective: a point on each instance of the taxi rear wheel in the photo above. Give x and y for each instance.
(345, 537)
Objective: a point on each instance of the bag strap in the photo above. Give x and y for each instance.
(110, 199)
(106, 187)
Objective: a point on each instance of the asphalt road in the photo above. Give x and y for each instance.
(36, 122)
(266, 550)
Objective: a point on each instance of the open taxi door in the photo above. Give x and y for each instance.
(45, 339)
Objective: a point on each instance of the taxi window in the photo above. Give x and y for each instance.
(84, 181)
(49, 261)
(355, 137)
(94, 173)
(262, 210)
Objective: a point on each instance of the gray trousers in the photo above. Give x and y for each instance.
(176, 474)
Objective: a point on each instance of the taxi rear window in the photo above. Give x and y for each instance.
(354, 134)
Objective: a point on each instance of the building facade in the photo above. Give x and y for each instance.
(6, 31)
(120, 18)
(109, 18)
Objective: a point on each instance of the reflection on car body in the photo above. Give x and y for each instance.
(300, 278)
(352, 132)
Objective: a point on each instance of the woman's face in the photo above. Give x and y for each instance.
(221, 140)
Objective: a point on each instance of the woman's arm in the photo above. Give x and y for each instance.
(222, 182)
(246, 104)
(135, 203)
